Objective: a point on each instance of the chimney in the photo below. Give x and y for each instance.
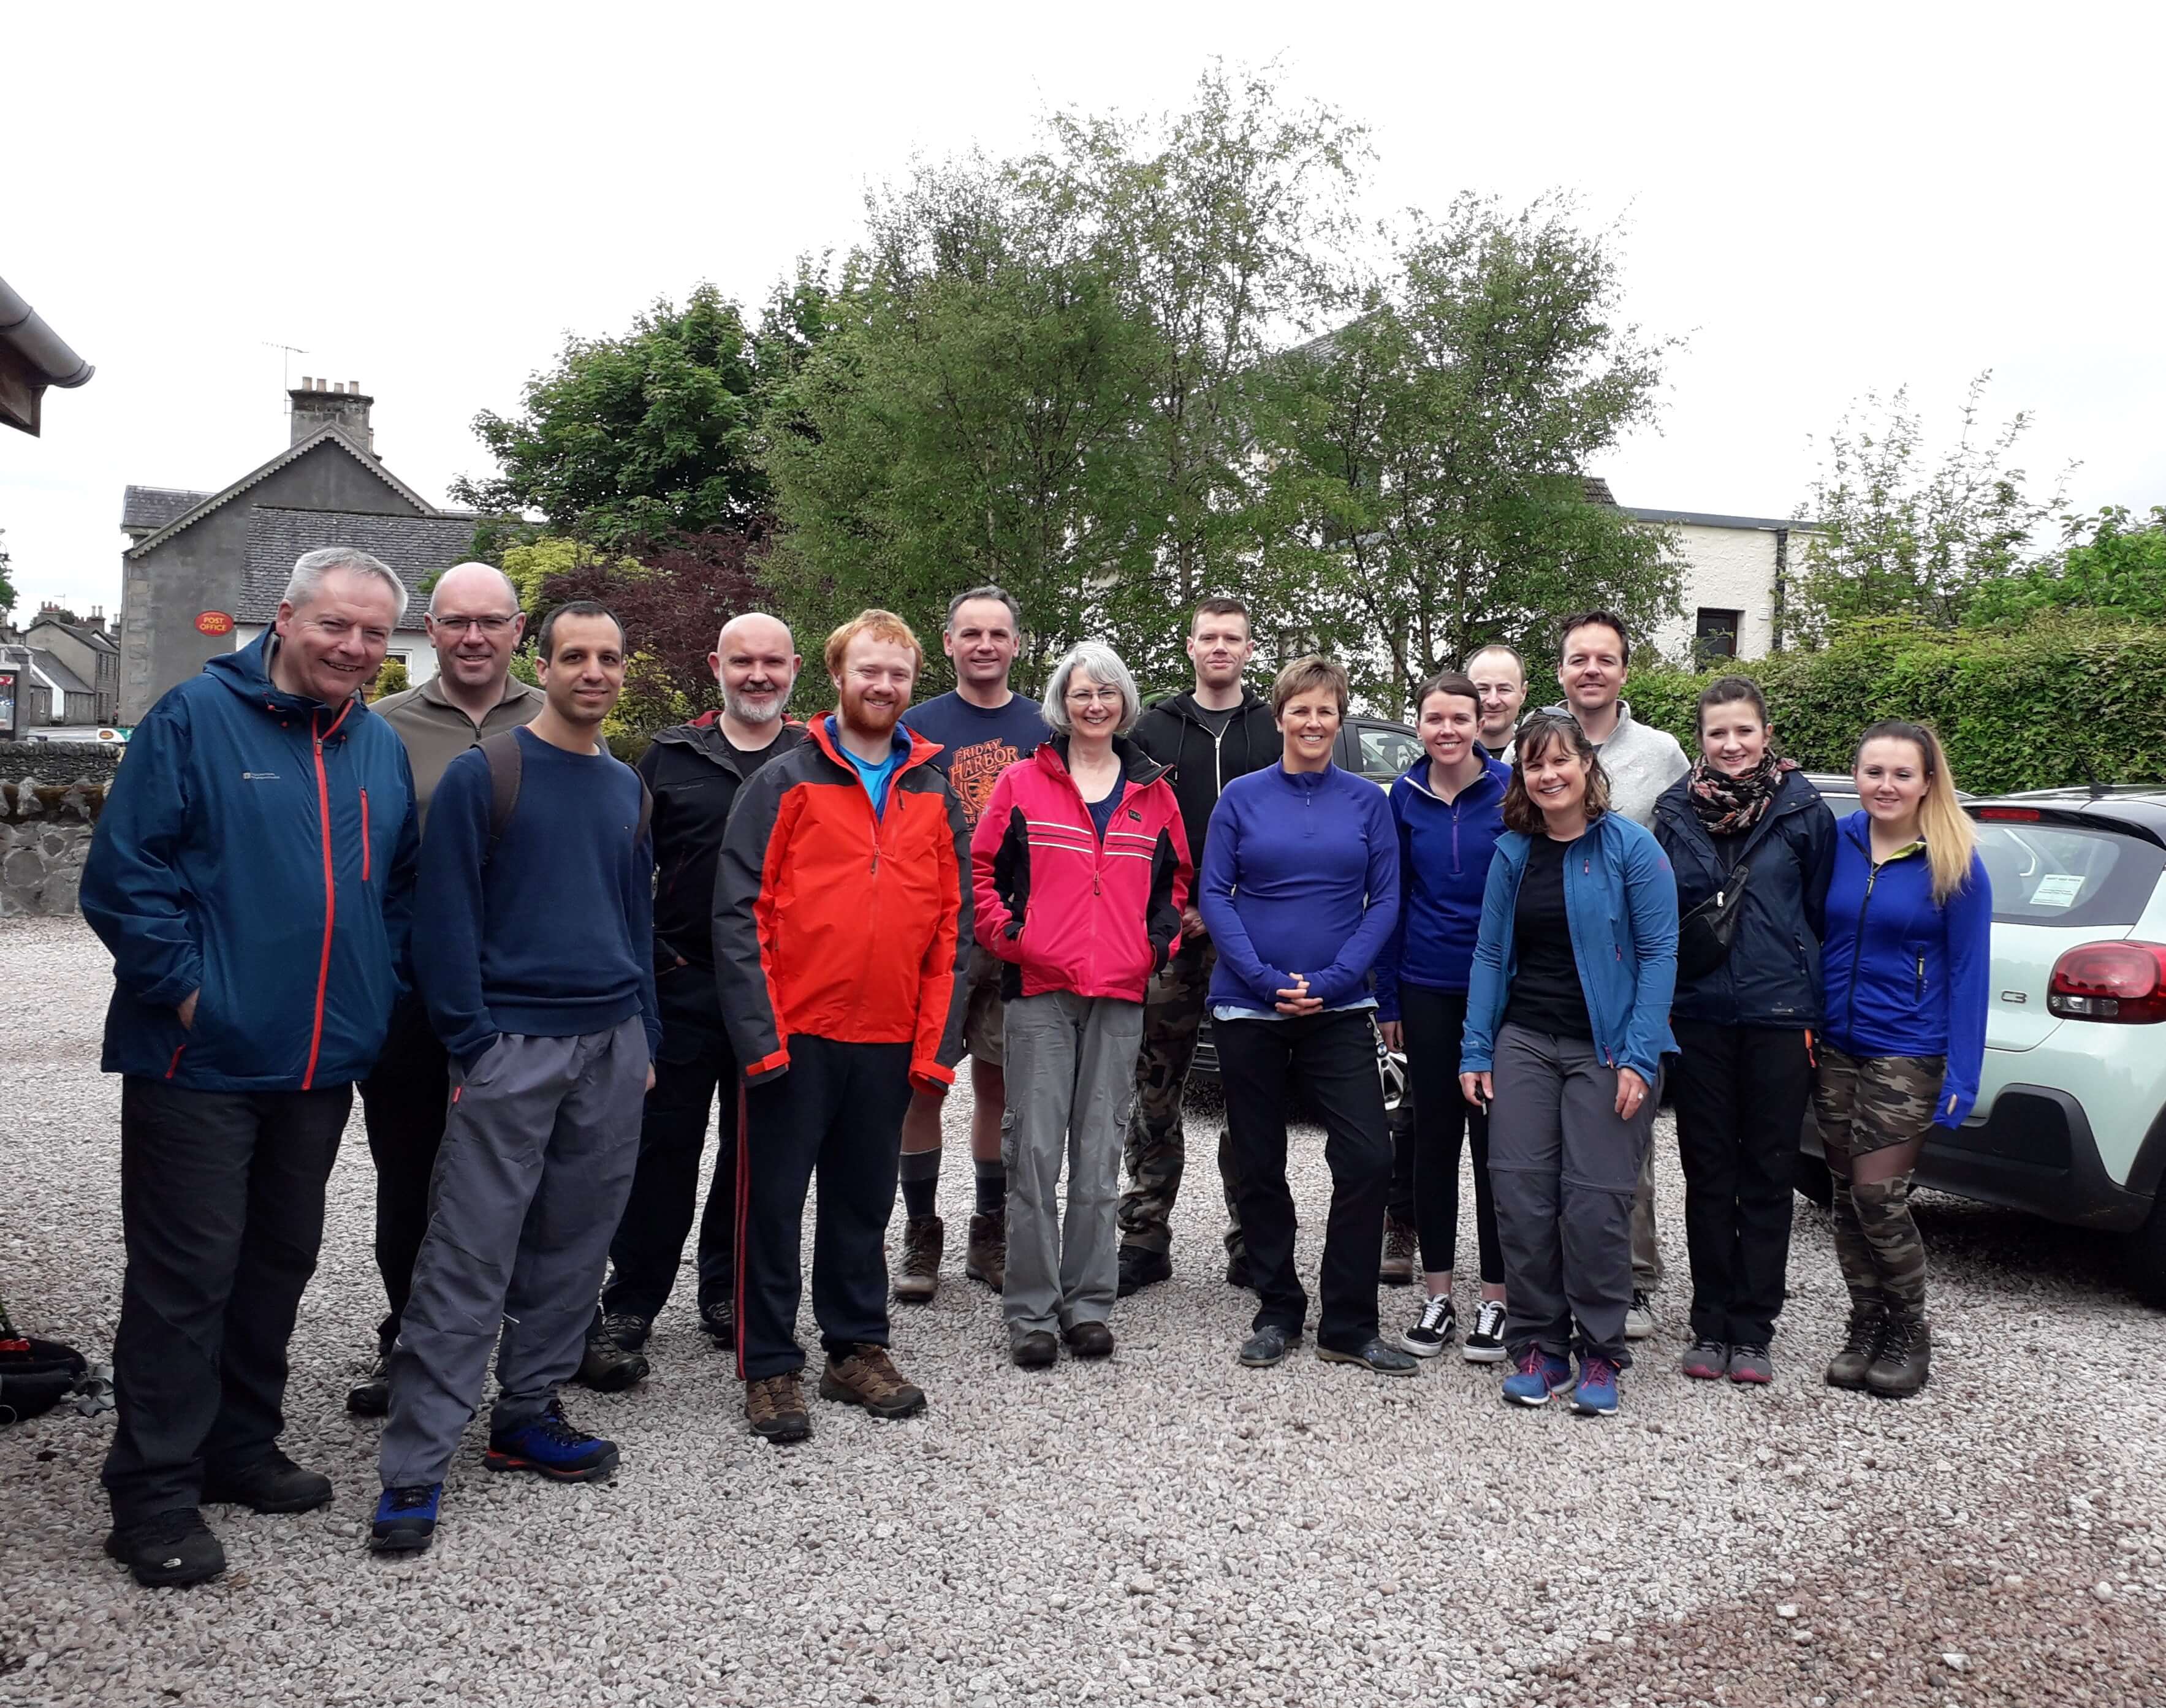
(322, 403)
(95, 622)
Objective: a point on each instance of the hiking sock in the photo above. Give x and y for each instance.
(993, 1188)
(921, 1182)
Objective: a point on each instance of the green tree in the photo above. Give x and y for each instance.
(1425, 457)
(390, 679)
(6, 587)
(635, 436)
(966, 414)
(2104, 565)
(1897, 537)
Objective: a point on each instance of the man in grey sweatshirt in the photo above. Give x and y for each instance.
(1641, 762)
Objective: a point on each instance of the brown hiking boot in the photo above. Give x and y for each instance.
(923, 1238)
(1905, 1358)
(868, 1378)
(1397, 1268)
(1860, 1345)
(775, 1406)
(988, 1258)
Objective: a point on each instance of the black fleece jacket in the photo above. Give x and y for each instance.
(1172, 732)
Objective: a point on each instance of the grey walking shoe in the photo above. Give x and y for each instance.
(1639, 1316)
(1373, 1354)
(1750, 1364)
(1268, 1346)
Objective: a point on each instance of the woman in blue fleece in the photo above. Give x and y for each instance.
(1449, 809)
(1300, 891)
(1567, 1022)
(1909, 914)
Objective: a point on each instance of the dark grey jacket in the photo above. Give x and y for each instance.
(1772, 975)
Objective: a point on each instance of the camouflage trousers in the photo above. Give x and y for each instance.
(1156, 1150)
(1867, 1103)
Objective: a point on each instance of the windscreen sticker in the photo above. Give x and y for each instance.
(2057, 890)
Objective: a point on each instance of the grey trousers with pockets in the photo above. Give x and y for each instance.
(1562, 1167)
(540, 1143)
(1071, 1066)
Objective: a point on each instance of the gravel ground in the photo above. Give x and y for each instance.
(1165, 1528)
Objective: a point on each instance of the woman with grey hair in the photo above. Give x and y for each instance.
(1081, 868)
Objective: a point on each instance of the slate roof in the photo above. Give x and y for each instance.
(415, 547)
(291, 454)
(63, 679)
(152, 507)
(1703, 519)
(95, 639)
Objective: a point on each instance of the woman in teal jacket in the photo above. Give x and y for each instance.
(1567, 1022)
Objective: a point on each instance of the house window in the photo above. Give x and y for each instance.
(1715, 634)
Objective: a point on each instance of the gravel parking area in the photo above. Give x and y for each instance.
(1166, 1528)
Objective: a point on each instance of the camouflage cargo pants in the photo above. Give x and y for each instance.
(1866, 1103)
(1156, 1149)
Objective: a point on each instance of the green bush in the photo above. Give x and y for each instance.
(2063, 700)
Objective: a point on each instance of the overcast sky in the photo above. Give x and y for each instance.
(427, 198)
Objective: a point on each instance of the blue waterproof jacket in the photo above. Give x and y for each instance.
(1773, 976)
(1621, 903)
(1905, 976)
(1444, 867)
(259, 848)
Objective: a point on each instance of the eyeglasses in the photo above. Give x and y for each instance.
(1093, 696)
(487, 625)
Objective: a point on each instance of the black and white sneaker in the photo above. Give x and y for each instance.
(1431, 1333)
(1484, 1340)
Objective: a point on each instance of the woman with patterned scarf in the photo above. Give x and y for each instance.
(1745, 1022)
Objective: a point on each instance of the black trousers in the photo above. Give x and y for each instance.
(403, 1102)
(836, 1112)
(1445, 1122)
(222, 1213)
(695, 1062)
(1329, 1061)
(1399, 1201)
(1740, 1099)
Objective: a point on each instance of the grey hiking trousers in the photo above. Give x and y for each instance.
(539, 1147)
(1071, 1066)
(1562, 1169)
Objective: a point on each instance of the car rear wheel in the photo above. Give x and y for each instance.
(2146, 1257)
(1810, 1175)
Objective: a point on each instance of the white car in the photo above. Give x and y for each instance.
(2070, 1122)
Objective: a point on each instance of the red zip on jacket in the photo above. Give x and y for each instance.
(1066, 912)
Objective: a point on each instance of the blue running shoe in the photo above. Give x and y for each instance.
(1536, 1378)
(1596, 1395)
(551, 1447)
(405, 1519)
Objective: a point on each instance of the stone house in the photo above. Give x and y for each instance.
(1737, 572)
(203, 571)
(88, 655)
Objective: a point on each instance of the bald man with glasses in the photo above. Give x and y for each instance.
(474, 625)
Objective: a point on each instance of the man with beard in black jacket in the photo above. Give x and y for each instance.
(693, 772)
(1216, 731)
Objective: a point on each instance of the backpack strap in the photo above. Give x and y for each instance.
(501, 751)
(646, 809)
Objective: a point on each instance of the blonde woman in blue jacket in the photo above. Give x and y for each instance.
(1567, 1022)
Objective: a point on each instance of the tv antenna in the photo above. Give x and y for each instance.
(285, 362)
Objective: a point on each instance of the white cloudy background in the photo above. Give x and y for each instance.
(427, 198)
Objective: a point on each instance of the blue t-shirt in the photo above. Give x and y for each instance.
(977, 745)
(874, 775)
(1102, 811)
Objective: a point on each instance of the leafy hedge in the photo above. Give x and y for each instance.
(2027, 710)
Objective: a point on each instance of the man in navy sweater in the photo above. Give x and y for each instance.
(533, 955)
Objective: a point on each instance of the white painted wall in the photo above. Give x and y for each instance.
(1729, 565)
(410, 645)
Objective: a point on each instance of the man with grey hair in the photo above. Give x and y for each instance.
(982, 727)
(1500, 675)
(474, 624)
(693, 773)
(252, 873)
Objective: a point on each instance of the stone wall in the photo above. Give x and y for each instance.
(45, 834)
(59, 762)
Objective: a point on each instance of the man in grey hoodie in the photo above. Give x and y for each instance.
(1641, 762)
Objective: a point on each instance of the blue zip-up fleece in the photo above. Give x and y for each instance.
(258, 847)
(1905, 977)
(1621, 900)
(1444, 850)
(552, 933)
(1301, 872)
(1773, 974)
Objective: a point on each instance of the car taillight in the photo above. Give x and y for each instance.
(2009, 815)
(2124, 983)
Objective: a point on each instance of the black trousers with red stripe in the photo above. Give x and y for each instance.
(836, 1113)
